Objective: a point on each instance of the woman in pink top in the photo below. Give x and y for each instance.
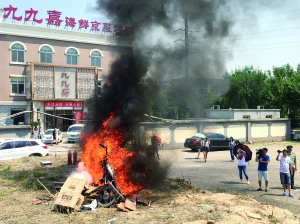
(242, 165)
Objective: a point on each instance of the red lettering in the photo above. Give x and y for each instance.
(31, 13)
(70, 22)
(83, 24)
(95, 26)
(54, 18)
(10, 9)
(106, 27)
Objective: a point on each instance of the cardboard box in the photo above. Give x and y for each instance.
(69, 199)
(75, 185)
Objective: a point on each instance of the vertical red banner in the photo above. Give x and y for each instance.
(78, 116)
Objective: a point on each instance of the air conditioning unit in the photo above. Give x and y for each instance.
(260, 107)
(216, 107)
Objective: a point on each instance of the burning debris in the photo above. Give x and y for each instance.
(107, 173)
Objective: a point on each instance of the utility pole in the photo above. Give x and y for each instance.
(186, 52)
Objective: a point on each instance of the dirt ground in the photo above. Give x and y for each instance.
(175, 201)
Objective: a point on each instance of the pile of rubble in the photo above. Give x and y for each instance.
(77, 194)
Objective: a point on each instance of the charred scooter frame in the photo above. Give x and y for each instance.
(108, 193)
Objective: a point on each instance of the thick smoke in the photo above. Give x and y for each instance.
(159, 39)
(155, 55)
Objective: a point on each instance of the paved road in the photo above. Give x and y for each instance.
(218, 173)
(63, 148)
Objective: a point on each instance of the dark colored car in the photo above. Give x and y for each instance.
(217, 142)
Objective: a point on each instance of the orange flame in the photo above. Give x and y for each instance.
(118, 158)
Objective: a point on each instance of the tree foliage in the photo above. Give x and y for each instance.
(276, 89)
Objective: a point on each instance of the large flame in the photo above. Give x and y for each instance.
(118, 158)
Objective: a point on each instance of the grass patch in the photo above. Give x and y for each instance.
(6, 169)
(38, 174)
(6, 192)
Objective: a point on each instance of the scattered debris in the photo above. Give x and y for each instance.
(111, 220)
(92, 206)
(70, 194)
(121, 207)
(45, 163)
(189, 196)
(36, 201)
(253, 215)
(44, 187)
(130, 203)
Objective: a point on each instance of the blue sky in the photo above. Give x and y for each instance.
(263, 36)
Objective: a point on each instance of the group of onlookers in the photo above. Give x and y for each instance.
(288, 166)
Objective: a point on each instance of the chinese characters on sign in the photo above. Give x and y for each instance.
(54, 19)
(63, 105)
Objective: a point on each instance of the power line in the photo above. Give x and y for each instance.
(257, 48)
(267, 22)
(267, 15)
(265, 44)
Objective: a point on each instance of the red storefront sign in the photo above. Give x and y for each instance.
(63, 105)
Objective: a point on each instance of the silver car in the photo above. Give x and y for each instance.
(47, 137)
(22, 147)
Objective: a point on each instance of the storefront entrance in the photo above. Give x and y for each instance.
(66, 112)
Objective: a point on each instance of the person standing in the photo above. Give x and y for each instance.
(231, 147)
(200, 148)
(294, 164)
(241, 157)
(285, 171)
(206, 146)
(54, 135)
(263, 161)
(155, 142)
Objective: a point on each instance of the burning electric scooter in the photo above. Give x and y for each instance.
(107, 194)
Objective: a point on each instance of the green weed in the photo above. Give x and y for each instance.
(6, 168)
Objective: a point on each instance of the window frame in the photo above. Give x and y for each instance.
(101, 58)
(66, 54)
(24, 56)
(17, 94)
(46, 45)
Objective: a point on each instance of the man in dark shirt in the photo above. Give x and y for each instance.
(263, 161)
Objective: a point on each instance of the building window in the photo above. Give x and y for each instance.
(18, 119)
(246, 116)
(17, 52)
(17, 85)
(96, 58)
(269, 116)
(72, 56)
(46, 53)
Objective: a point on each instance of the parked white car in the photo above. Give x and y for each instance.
(47, 137)
(74, 132)
(22, 147)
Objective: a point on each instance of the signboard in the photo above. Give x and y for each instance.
(65, 79)
(78, 116)
(63, 105)
(55, 18)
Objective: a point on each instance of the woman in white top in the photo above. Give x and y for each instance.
(242, 165)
